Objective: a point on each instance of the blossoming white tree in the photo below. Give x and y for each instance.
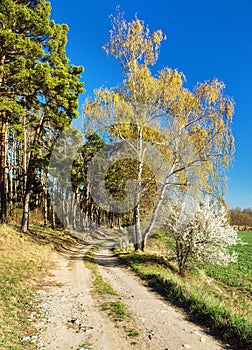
(200, 234)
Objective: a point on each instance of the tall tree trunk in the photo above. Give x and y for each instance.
(53, 204)
(66, 209)
(24, 156)
(27, 196)
(138, 231)
(45, 200)
(30, 179)
(15, 172)
(157, 207)
(73, 210)
(10, 182)
(3, 217)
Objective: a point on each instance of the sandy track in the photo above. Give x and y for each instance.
(73, 319)
(162, 326)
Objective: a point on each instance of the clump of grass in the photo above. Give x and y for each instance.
(89, 259)
(87, 346)
(133, 332)
(116, 309)
(103, 287)
(22, 263)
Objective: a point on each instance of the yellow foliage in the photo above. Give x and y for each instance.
(146, 101)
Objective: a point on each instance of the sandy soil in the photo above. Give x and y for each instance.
(161, 325)
(73, 319)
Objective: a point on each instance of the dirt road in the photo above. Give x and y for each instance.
(73, 319)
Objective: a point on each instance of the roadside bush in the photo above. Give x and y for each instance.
(200, 234)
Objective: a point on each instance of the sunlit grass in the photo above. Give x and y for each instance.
(22, 263)
(236, 275)
(116, 309)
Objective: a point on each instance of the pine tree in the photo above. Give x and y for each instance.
(37, 83)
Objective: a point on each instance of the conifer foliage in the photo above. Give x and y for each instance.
(39, 91)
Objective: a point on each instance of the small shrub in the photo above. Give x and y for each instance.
(200, 234)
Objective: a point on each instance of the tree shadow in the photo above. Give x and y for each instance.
(105, 260)
(130, 259)
(63, 242)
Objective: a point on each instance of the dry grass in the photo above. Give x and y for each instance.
(22, 265)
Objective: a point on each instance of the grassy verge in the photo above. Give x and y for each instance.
(108, 297)
(22, 264)
(218, 297)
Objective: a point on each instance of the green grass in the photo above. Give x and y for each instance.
(218, 297)
(116, 309)
(87, 346)
(238, 275)
(132, 332)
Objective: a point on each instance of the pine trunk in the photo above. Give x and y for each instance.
(27, 196)
(3, 217)
(25, 218)
(30, 176)
(45, 207)
(10, 191)
(53, 204)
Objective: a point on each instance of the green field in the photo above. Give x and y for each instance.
(214, 296)
(236, 276)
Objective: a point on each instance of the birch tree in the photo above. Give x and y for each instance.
(191, 130)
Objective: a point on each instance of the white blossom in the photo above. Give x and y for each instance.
(201, 234)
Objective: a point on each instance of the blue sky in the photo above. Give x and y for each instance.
(204, 40)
